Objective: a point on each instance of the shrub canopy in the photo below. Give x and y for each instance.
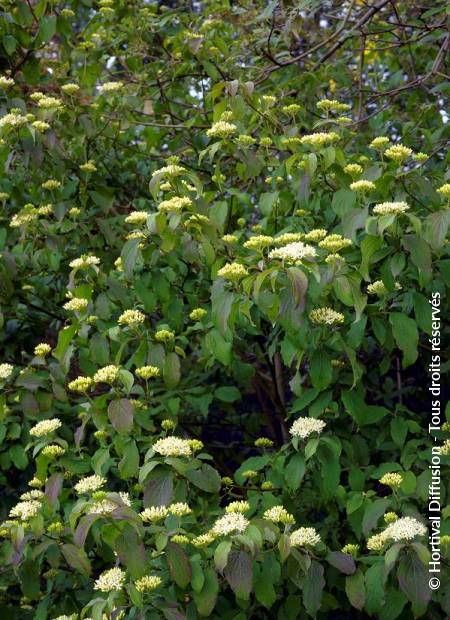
(223, 234)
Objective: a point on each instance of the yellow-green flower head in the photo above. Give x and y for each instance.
(244, 140)
(230, 523)
(353, 169)
(269, 100)
(6, 82)
(249, 473)
(293, 253)
(335, 243)
(362, 186)
(110, 87)
(131, 318)
(74, 212)
(390, 208)
(204, 540)
(278, 514)
(84, 262)
(320, 139)
(55, 528)
(198, 314)
(6, 371)
(332, 105)
(304, 537)
(111, 580)
(164, 335)
(90, 484)
(52, 451)
(257, 228)
(81, 384)
(41, 126)
(148, 372)
(315, 235)
(179, 509)
(290, 141)
(70, 89)
(168, 425)
(77, 304)
(45, 427)
(390, 517)
(171, 171)
(180, 539)
(287, 238)
(326, 316)
(137, 218)
(36, 483)
(343, 120)
(100, 435)
(172, 446)
(266, 142)
(241, 507)
(137, 234)
(227, 481)
(50, 103)
(221, 129)
(444, 190)
(4, 195)
(398, 152)
(234, 272)
(392, 480)
(42, 349)
(45, 209)
(175, 204)
(445, 448)
(34, 494)
(258, 242)
(67, 13)
(379, 142)
(263, 442)
(267, 485)
(154, 514)
(148, 583)
(420, 157)
(107, 374)
(351, 549)
(51, 184)
(88, 166)
(196, 445)
(378, 288)
(293, 108)
(304, 427)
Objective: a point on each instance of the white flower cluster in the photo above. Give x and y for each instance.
(304, 427)
(229, 523)
(172, 446)
(84, 262)
(175, 204)
(390, 208)
(137, 218)
(278, 514)
(25, 510)
(111, 87)
(131, 317)
(221, 129)
(406, 528)
(6, 371)
(111, 580)
(304, 537)
(107, 374)
(45, 427)
(90, 484)
(293, 252)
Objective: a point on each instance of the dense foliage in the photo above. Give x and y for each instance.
(221, 228)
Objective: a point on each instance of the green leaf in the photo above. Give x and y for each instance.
(205, 600)
(221, 554)
(413, 579)
(294, 471)
(342, 561)
(374, 579)
(206, 478)
(129, 465)
(355, 589)
(120, 413)
(171, 370)
(320, 370)
(158, 490)
(179, 566)
(406, 336)
(313, 588)
(239, 573)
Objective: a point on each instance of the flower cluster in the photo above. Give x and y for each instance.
(84, 262)
(362, 186)
(90, 484)
(392, 480)
(278, 514)
(258, 242)
(326, 316)
(131, 318)
(233, 272)
(240, 506)
(148, 372)
(164, 335)
(137, 218)
(76, 304)
(398, 153)
(175, 204)
(147, 583)
(42, 349)
(304, 537)
(390, 208)
(110, 580)
(172, 446)
(406, 528)
(304, 427)
(320, 139)
(107, 374)
(293, 252)
(81, 384)
(111, 87)
(335, 243)
(6, 371)
(221, 129)
(228, 524)
(45, 427)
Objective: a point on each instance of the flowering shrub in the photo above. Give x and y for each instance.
(217, 260)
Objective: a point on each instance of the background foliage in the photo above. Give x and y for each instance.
(148, 81)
